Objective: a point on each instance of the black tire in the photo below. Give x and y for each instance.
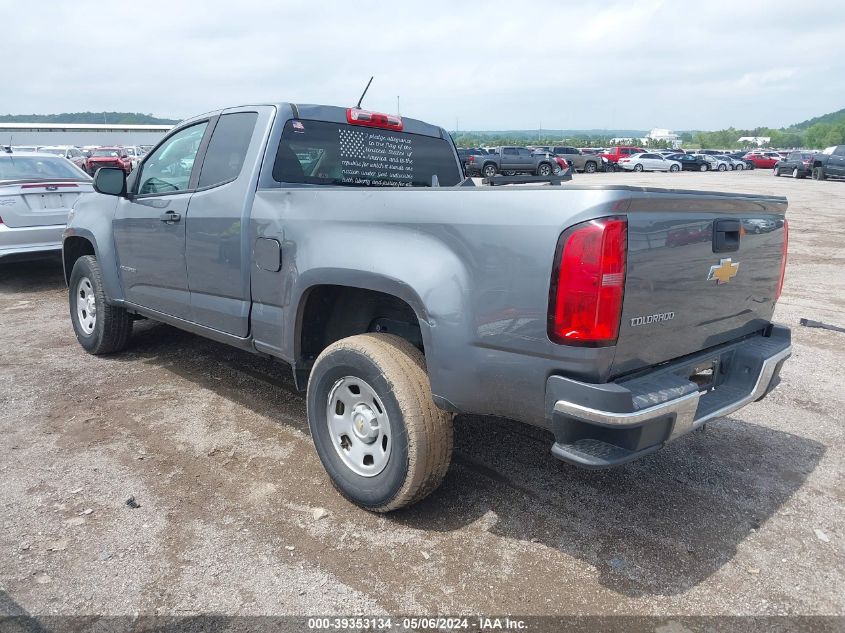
(112, 325)
(818, 173)
(674, 168)
(544, 170)
(421, 434)
(638, 167)
(703, 167)
(722, 167)
(489, 170)
(740, 167)
(590, 167)
(776, 171)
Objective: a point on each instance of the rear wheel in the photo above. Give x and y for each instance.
(376, 429)
(100, 328)
(638, 167)
(489, 170)
(702, 168)
(544, 170)
(776, 171)
(795, 173)
(590, 167)
(723, 167)
(740, 167)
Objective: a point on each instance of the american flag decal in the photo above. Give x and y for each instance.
(351, 143)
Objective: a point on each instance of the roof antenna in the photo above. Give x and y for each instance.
(363, 93)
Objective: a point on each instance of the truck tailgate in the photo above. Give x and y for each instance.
(686, 288)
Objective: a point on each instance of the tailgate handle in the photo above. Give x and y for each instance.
(726, 236)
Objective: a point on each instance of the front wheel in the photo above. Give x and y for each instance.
(723, 167)
(638, 167)
(740, 167)
(378, 433)
(674, 168)
(99, 327)
(702, 168)
(776, 171)
(818, 173)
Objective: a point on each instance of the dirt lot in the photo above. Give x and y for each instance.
(745, 518)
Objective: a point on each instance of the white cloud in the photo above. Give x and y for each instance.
(496, 65)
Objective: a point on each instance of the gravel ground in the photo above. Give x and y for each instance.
(237, 516)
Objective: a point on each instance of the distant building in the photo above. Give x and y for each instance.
(80, 134)
(759, 141)
(662, 134)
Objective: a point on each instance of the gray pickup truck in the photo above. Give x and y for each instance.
(510, 160)
(829, 163)
(348, 244)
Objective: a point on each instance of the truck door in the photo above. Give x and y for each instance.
(836, 162)
(217, 252)
(526, 160)
(510, 158)
(149, 226)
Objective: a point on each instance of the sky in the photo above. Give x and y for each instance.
(489, 65)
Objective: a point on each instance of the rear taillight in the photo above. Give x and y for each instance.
(784, 250)
(588, 283)
(356, 116)
(471, 159)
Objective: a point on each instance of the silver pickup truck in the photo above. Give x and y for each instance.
(347, 244)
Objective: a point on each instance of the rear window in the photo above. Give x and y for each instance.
(37, 168)
(105, 152)
(324, 153)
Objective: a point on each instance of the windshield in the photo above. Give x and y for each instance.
(37, 168)
(319, 152)
(104, 152)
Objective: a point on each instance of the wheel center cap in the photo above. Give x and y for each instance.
(364, 423)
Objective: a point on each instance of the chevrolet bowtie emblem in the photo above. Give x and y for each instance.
(724, 272)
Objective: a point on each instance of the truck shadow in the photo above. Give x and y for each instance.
(658, 526)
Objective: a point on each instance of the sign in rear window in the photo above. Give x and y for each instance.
(323, 153)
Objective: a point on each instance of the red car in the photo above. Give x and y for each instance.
(109, 157)
(761, 161)
(613, 154)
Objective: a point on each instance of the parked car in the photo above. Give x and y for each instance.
(510, 159)
(830, 162)
(512, 302)
(109, 157)
(734, 164)
(134, 152)
(37, 190)
(579, 160)
(560, 163)
(690, 162)
(797, 164)
(24, 148)
(648, 162)
(715, 163)
(761, 161)
(613, 154)
(73, 154)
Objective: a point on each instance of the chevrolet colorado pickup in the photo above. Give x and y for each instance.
(348, 244)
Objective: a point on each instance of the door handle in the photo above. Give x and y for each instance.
(171, 217)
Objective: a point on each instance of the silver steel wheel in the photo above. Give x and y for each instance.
(86, 305)
(359, 426)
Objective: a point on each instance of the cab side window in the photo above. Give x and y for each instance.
(168, 169)
(227, 149)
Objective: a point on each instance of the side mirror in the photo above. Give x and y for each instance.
(110, 181)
